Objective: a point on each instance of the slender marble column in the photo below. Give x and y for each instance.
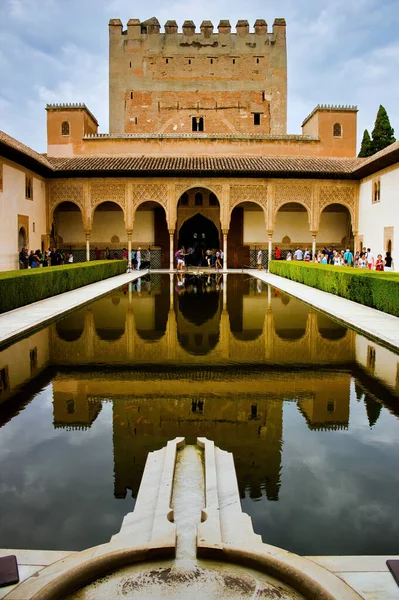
(129, 252)
(270, 249)
(88, 247)
(225, 232)
(171, 257)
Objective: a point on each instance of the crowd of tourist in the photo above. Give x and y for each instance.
(49, 258)
(364, 259)
(205, 258)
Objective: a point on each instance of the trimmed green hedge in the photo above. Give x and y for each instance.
(379, 290)
(18, 288)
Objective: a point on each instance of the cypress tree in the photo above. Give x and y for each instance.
(382, 133)
(365, 149)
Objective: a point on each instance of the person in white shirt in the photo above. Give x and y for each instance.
(298, 254)
(259, 259)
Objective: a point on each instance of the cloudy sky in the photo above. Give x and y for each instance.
(339, 52)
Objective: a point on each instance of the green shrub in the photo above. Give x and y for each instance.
(378, 290)
(18, 288)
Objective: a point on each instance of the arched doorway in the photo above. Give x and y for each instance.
(67, 229)
(247, 233)
(198, 234)
(150, 230)
(335, 230)
(198, 224)
(291, 228)
(21, 238)
(108, 230)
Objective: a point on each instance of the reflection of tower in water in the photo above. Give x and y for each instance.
(251, 429)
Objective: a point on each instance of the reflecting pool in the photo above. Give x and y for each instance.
(308, 408)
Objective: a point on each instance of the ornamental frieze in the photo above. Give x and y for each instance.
(66, 191)
(248, 193)
(150, 193)
(107, 191)
(292, 192)
(180, 189)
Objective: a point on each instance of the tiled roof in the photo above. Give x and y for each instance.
(259, 166)
(380, 160)
(12, 143)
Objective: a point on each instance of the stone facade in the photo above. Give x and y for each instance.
(175, 82)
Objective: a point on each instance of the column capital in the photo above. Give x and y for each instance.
(225, 231)
(270, 232)
(171, 231)
(314, 233)
(87, 233)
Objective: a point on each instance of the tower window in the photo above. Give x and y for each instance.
(337, 130)
(256, 118)
(211, 61)
(257, 61)
(189, 61)
(263, 96)
(234, 61)
(197, 124)
(167, 60)
(131, 95)
(198, 199)
(65, 129)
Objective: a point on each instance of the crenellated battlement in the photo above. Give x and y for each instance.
(137, 28)
(190, 77)
(331, 108)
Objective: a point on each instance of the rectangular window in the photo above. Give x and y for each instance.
(33, 227)
(131, 95)
(167, 61)
(376, 189)
(256, 118)
(1, 176)
(28, 187)
(331, 406)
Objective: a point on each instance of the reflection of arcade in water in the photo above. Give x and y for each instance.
(199, 356)
(189, 320)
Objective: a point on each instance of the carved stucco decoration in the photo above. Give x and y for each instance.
(299, 192)
(107, 191)
(339, 194)
(180, 189)
(150, 193)
(248, 193)
(65, 191)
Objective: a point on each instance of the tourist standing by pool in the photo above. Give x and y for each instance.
(259, 259)
(138, 259)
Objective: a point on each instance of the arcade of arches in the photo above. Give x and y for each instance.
(235, 215)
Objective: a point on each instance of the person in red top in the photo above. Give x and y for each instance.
(278, 253)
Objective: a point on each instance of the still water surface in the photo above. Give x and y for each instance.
(308, 408)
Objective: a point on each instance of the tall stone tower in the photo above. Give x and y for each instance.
(183, 83)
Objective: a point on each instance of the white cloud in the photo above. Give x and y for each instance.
(338, 52)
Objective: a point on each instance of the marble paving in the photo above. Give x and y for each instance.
(27, 318)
